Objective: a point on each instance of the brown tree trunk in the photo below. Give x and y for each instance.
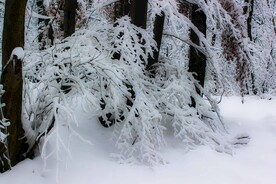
(13, 36)
(70, 7)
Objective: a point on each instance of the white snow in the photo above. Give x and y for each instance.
(33, 14)
(19, 52)
(251, 164)
(46, 4)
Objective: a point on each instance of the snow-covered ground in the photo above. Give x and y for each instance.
(251, 164)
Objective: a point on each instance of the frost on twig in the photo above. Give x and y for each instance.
(4, 123)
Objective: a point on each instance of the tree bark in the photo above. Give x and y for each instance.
(138, 13)
(13, 36)
(197, 62)
(158, 32)
(122, 8)
(249, 10)
(70, 7)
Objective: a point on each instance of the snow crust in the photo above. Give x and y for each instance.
(254, 163)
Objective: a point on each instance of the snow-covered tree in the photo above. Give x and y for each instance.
(107, 64)
(264, 36)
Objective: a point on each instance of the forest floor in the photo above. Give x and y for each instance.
(254, 163)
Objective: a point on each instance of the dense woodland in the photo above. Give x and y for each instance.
(142, 67)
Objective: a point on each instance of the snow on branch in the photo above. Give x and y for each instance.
(33, 14)
(4, 123)
(142, 108)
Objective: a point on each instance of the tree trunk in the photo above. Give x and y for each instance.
(122, 8)
(249, 20)
(197, 62)
(13, 36)
(249, 10)
(70, 7)
(138, 13)
(158, 32)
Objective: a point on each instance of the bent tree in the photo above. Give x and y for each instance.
(13, 36)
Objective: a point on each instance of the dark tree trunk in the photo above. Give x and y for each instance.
(249, 30)
(70, 7)
(51, 35)
(122, 8)
(158, 32)
(249, 21)
(13, 36)
(249, 10)
(197, 62)
(138, 13)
